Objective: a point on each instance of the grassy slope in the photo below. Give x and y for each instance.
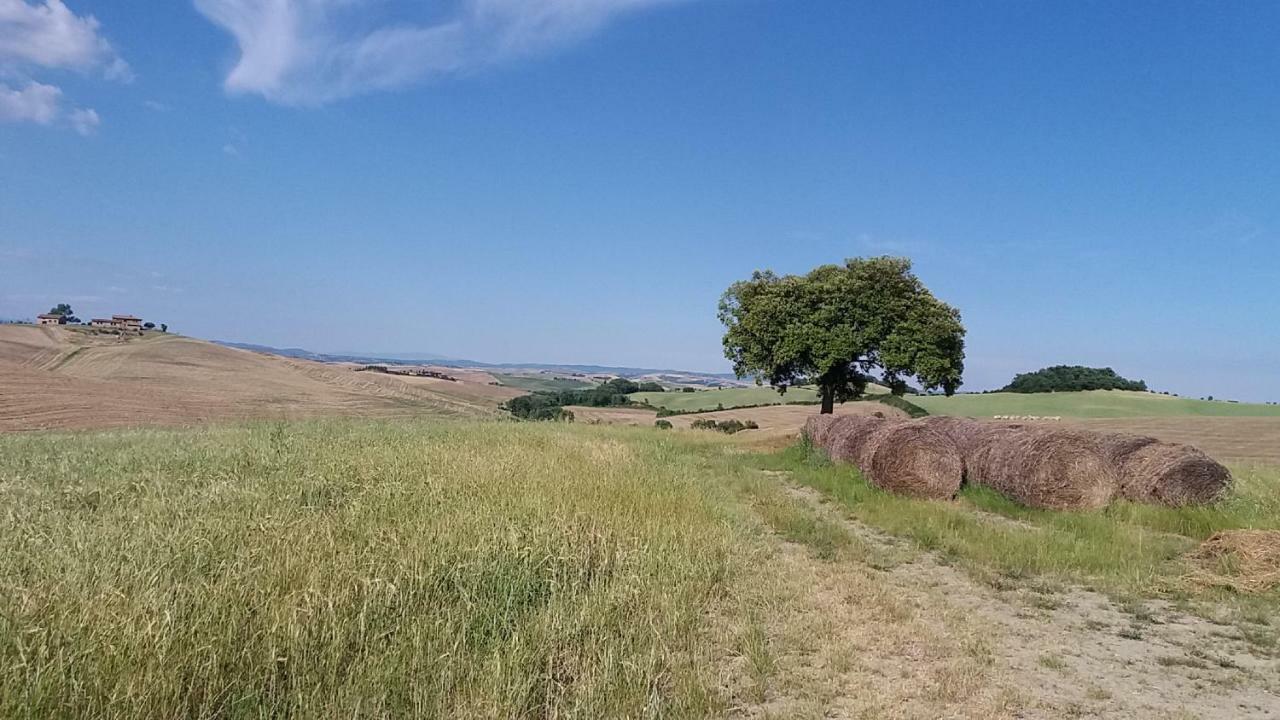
(541, 383)
(1093, 404)
(731, 397)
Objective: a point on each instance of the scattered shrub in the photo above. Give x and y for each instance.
(728, 427)
(662, 424)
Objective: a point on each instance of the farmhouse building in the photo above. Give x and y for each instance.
(101, 322)
(126, 322)
(49, 319)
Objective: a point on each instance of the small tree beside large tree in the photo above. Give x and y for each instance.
(64, 310)
(839, 327)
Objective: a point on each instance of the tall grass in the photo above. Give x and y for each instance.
(354, 568)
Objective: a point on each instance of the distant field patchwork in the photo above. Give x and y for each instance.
(727, 397)
(541, 383)
(1091, 404)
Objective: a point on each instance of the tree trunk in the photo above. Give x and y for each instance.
(828, 400)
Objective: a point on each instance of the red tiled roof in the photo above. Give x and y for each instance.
(124, 317)
(48, 316)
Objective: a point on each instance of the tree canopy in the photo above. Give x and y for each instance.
(64, 310)
(839, 326)
(1069, 378)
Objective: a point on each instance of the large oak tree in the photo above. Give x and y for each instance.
(840, 326)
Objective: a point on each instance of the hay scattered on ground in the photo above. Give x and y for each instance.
(1051, 469)
(1243, 560)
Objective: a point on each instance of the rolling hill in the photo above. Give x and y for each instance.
(59, 377)
(1089, 404)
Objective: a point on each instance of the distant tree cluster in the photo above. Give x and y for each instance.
(64, 310)
(540, 405)
(1069, 378)
(728, 427)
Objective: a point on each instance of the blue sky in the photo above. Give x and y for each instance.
(579, 180)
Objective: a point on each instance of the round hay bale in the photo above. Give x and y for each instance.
(1042, 468)
(964, 432)
(816, 429)
(1118, 446)
(912, 459)
(1243, 560)
(1171, 474)
(848, 435)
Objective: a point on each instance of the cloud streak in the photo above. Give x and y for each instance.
(50, 36)
(302, 52)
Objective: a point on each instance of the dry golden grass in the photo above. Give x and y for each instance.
(60, 378)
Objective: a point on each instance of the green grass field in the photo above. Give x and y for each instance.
(703, 400)
(1091, 404)
(472, 570)
(728, 397)
(541, 383)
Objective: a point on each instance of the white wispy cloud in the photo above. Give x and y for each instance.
(85, 121)
(49, 36)
(34, 102)
(308, 51)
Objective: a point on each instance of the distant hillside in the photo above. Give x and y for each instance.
(1088, 404)
(73, 377)
(662, 375)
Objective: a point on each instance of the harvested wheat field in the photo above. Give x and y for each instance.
(780, 425)
(63, 378)
(1226, 439)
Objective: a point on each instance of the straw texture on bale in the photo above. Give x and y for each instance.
(965, 433)
(849, 435)
(1051, 469)
(816, 429)
(1151, 471)
(1243, 560)
(909, 458)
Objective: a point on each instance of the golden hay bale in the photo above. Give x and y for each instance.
(1164, 473)
(1042, 468)
(1243, 560)
(1117, 446)
(910, 458)
(848, 435)
(964, 432)
(816, 429)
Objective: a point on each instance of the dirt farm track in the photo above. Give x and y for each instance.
(62, 378)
